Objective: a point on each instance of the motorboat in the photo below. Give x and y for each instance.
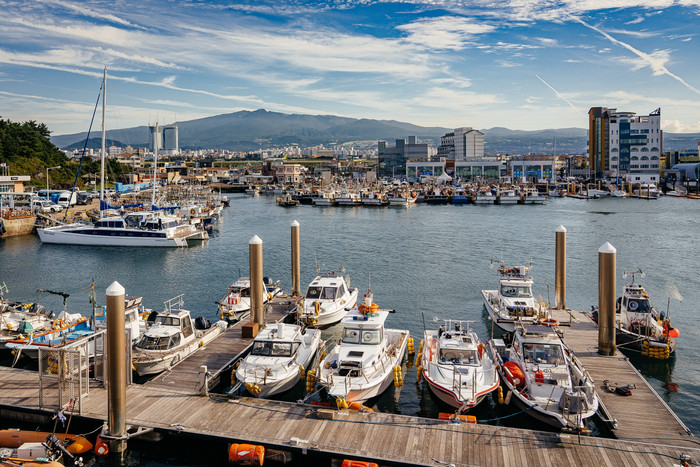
(639, 325)
(235, 305)
(403, 199)
(513, 302)
(280, 354)
(325, 198)
(374, 199)
(619, 194)
(286, 201)
(327, 300)
(363, 364)
(456, 366)
(136, 229)
(172, 338)
(544, 378)
(530, 195)
(348, 198)
(461, 196)
(68, 328)
(507, 196)
(484, 196)
(19, 319)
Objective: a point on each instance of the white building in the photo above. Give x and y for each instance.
(636, 142)
(464, 144)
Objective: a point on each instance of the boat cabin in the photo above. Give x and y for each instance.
(168, 331)
(331, 288)
(635, 300)
(512, 289)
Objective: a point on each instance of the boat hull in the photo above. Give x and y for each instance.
(55, 236)
(506, 324)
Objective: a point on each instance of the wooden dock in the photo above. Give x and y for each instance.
(648, 432)
(642, 416)
(218, 355)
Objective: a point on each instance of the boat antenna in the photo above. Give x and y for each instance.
(3, 289)
(423, 314)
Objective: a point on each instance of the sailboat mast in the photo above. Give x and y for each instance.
(155, 163)
(102, 158)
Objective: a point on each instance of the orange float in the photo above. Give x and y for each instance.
(15, 438)
(246, 454)
(514, 373)
(351, 463)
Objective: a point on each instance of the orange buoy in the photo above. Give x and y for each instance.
(101, 447)
(16, 438)
(358, 406)
(514, 374)
(351, 463)
(673, 332)
(246, 454)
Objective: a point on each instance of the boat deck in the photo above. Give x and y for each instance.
(634, 414)
(218, 354)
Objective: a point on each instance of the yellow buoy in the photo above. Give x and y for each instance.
(500, 395)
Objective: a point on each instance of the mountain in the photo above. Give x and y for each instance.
(249, 131)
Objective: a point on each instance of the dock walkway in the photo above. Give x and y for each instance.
(217, 355)
(642, 416)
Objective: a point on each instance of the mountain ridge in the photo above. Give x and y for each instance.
(259, 129)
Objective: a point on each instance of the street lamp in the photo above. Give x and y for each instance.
(47, 179)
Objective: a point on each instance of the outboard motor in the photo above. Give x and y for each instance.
(152, 317)
(200, 322)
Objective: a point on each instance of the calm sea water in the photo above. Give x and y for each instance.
(425, 262)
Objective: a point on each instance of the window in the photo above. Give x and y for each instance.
(460, 357)
(329, 293)
(515, 291)
(313, 292)
(362, 336)
(186, 326)
(543, 353)
(167, 321)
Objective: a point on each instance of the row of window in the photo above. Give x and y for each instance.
(625, 150)
(635, 158)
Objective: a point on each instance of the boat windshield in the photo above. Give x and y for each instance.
(516, 291)
(543, 353)
(458, 356)
(168, 321)
(272, 349)
(244, 291)
(158, 343)
(638, 305)
(362, 336)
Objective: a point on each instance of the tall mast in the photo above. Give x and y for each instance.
(102, 156)
(156, 138)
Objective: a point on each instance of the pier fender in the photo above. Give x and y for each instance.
(246, 454)
(500, 395)
(351, 463)
(508, 397)
(101, 448)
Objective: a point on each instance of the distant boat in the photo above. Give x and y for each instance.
(512, 303)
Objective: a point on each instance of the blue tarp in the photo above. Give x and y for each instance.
(170, 209)
(104, 205)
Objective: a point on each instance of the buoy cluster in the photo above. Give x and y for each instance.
(310, 380)
(419, 372)
(411, 348)
(420, 353)
(661, 353)
(398, 376)
(341, 403)
(253, 388)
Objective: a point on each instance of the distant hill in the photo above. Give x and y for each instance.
(249, 131)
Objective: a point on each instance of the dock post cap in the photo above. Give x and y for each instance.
(255, 241)
(115, 290)
(607, 248)
(295, 223)
(561, 228)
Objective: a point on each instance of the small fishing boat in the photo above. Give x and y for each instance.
(530, 195)
(287, 201)
(404, 199)
(484, 196)
(458, 370)
(364, 364)
(325, 198)
(277, 361)
(18, 320)
(327, 300)
(172, 338)
(507, 196)
(513, 302)
(348, 198)
(373, 198)
(235, 305)
(639, 325)
(461, 196)
(544, 378)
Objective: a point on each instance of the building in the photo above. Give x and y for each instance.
(164, 138)
(534, 169)
(11, 183)
(392, 159)
(462, 144)
(491, 171)
(289, 173)
(623, 142)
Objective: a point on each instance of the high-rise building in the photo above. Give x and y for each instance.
(462, 144)
(623, 142)
(392, 159)
(164, 137)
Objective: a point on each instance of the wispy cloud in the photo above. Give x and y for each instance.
(446, 32)
(657, 62)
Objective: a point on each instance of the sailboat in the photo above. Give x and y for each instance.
(138, 229)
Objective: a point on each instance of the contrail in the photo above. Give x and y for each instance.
(557, 93)
(658, 68)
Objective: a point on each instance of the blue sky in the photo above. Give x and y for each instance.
(484, 63)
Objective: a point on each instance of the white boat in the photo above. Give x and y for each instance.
(348, 198)
(639, 325)
(172, 338)
(328, 299)
(513, 302)
(20, 319)
(456, 367)
(544, 378)
(403, 199)
(362, 365)
(325, 198)
(484, 196)
(235, 305)
(530, 195)
(136, 229)
(507, 196)
(619, 194)
(280, 354)
(374, 199)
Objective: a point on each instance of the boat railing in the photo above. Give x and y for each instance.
(175, 302)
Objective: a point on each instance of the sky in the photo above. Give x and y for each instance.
(518, 64)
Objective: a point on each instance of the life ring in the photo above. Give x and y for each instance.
(549, 322)
(57, 323)
(481, 349)
(193, 211)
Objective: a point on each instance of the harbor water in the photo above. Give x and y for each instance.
(426, 262)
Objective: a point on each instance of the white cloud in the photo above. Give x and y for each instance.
(677, 126)
(445, 32)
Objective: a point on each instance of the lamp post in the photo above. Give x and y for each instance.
(47, 179)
